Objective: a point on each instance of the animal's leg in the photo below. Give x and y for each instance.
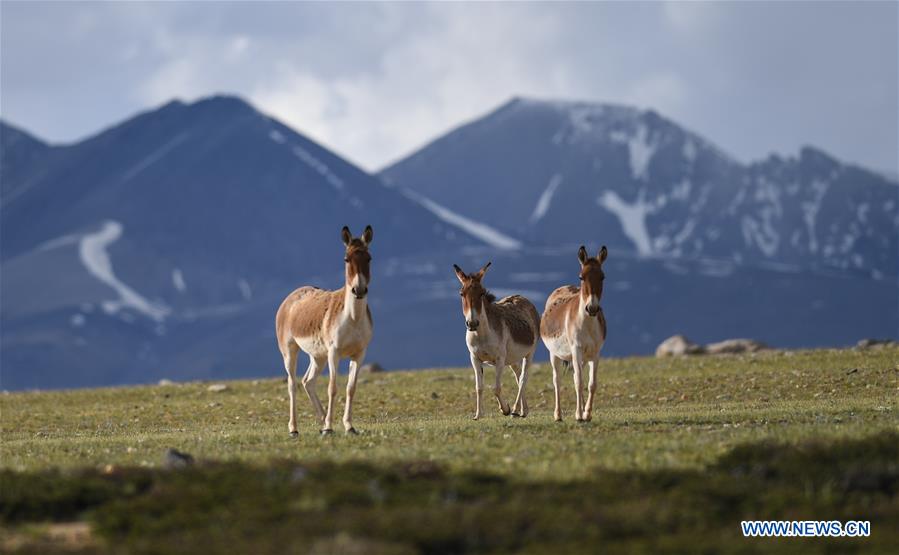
(516, 370)
(290, 364)
(355, 363)
(478, 384)
(333, 365)
(591, 390)
(556, 362)
(315, 366)
(498, 387)
(577, 363)
(522, 383)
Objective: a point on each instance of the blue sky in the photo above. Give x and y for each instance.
(374, 81)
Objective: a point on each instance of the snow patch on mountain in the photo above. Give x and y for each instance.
(632, 217)
(641, 152)
(689, 151)
(318, 166)
(862, 212)
(640, 149)
(155, 156)
(810, 212)
(760, 234)
(58, 242)
(245, 289)
(545, 198)
(681, 190)
(276, 136)
(95, 258)
(178, 280)
(483, 232)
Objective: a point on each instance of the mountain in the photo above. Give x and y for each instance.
(551, 173)
(163, 245)
(19, 155)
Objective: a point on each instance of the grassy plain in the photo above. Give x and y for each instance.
(678, 452)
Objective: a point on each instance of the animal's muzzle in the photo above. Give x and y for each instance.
(360, 292)
(472, 325)
(592, 310)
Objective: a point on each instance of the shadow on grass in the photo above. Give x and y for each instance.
(418, 507)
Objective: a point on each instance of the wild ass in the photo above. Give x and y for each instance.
(328, 326)
(499, 333)
(574, 329)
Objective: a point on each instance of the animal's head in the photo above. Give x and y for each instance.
(591, 276)
(474, 295)
(358, 261)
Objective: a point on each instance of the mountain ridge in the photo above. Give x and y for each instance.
(178, 227)
(669, 191)
(162, 246)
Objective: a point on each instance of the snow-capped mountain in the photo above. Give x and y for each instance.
(162, 247)
(564, 172)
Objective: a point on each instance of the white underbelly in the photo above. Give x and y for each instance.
(489, 352)
(313, 346)
(558, 347)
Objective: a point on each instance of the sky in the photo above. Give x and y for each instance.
(375, 81)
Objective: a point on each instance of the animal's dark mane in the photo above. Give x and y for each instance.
(490, 297)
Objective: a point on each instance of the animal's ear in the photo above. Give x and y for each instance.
(582, 255)
(460, 274)
(346, 235)
(483, 270)
(603, 253)
(367, 235)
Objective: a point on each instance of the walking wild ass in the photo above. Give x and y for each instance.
(328, 326)
(574, 329)
(499, 333)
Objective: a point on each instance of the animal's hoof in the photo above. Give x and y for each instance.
(352, 432)
(558, 419)
(506, 412)
(326, 432)
(294, 434)
(476, 417)
(580, 419)
(516, 415)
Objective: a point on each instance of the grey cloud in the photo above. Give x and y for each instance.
(375, 80)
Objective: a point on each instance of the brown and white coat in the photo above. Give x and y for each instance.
(573, 328)
(499, 333)
(328, 326)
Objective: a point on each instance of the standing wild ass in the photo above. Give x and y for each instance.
(574, 329)
(328, 326)
(499, 333)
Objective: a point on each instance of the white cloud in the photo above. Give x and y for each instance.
(374, 81)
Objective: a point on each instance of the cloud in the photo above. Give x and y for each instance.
(376, 80)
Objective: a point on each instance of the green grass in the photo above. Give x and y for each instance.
(678, 452)
(649, 413)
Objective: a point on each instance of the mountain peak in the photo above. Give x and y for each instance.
(221, 102)
(222, 106)
(811, 153)
(570, 105)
